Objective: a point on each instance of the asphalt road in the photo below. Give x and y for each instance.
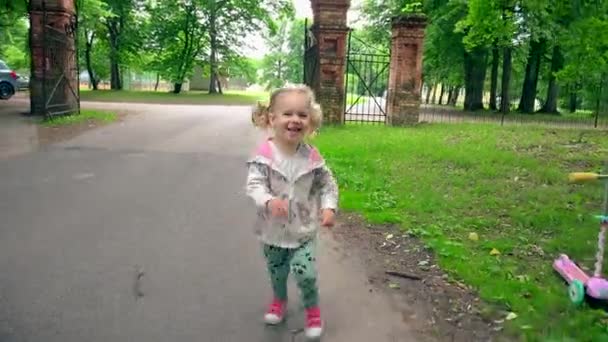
(140, 231)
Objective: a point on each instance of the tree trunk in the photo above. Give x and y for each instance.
(573, 100)
(557, 63)
(113, 34)
(177, 88)
(434, 98)
(505, 101)
(494, 78)
(474, 77)
(441, 92)
(213, 82)
(450, 95)
(87, 55)
(115, 79)
(429, 89)
(455, 96)
(528, 94)
(157, 81)
(219, 85)
(186, 53)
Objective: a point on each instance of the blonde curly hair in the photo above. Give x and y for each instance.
(260, 117)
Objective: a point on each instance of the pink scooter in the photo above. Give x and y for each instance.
(579, 282)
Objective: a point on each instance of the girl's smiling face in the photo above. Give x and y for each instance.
(290, 117)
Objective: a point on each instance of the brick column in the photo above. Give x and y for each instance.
(53, 51)
(331, 33)
(405, 79)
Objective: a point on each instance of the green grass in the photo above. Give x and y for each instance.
(85, 115)
(352, 99)
(509, 185)
(190, 97)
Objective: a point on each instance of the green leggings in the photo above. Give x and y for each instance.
(301, 261)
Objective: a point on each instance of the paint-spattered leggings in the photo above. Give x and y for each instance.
(301, 262)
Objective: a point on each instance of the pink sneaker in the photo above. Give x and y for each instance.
(276, 312)
(314, 325)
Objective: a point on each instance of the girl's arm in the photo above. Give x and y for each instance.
(258, 187)
(328, 189)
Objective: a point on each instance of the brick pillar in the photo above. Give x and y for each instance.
(53, 53)
(331, 33)
(405, 79)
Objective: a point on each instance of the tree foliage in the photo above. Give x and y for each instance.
(523, 52)
(284, 61)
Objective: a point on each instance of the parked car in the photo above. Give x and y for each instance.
(9, 83)
(23, 82)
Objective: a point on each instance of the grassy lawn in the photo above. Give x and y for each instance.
(85, 115)
(190, 97)
(352, 99)
(508, 185)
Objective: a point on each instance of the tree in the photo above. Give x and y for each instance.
(228, 21)
(284, 62)
(177, 39)
(587, 60)
(14, 49)
(91, 14)
(538, 25)
(12, 11)
(13, 34)
(444, 49)
(123, 35)
(573, 56)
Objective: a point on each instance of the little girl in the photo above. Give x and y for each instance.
(294, 192)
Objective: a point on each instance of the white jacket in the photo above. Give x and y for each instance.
(313, 189)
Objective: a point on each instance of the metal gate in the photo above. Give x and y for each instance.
(311, 60)
(61, 75)
(366, 88)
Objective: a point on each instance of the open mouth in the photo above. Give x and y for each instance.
(294, 129)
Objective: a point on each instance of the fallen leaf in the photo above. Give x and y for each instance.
(473, 237)
(511, 316)
(423, 263)
(494, 251)
(389, 236)
(393, 286)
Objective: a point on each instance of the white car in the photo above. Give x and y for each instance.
(9, 81)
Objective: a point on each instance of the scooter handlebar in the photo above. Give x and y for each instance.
(578, 177)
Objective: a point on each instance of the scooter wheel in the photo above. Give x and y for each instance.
(576, 292)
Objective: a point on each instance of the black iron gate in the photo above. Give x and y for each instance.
(311, 60)
(61, 76)
(366, 88)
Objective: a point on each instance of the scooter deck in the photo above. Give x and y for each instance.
(569, 270)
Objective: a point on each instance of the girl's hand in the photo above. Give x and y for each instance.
(278, 207)
(328, 218)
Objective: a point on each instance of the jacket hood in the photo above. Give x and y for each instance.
(265, 155)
